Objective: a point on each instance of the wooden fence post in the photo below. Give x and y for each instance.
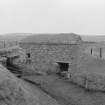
(100, 52)
(91, 51)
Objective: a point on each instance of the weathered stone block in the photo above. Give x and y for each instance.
(43, 54)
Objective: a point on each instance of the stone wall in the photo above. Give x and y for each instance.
(44, 55)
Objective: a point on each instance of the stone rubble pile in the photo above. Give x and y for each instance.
(21, 58)
(15, 53)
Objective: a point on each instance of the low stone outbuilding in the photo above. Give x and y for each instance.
(47, 50)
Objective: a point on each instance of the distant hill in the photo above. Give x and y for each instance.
(93, 38)
(53, 38)
(63, 37)
(13, 36)
(9, 40)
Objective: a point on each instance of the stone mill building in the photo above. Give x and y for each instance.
(46, 50)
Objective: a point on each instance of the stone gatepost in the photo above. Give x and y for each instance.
(69, 74)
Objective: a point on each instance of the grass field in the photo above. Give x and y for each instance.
(67, 92)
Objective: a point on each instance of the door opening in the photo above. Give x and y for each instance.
(63, 66)
(8, 62)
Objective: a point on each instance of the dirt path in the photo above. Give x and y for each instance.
(59, 100)
(44, 98)
(66, 92)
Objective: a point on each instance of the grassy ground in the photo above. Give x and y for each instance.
(90, 64)
(43, 98)
(14, 91)
(69, 93)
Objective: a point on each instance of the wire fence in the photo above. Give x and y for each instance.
(6, 44)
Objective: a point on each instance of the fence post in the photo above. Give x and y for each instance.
(100, 52)
(91, 51)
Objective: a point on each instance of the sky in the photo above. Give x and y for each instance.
(86, 17)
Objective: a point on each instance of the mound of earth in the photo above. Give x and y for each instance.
(12, 92)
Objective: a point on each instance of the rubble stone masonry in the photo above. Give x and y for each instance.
(43, 55)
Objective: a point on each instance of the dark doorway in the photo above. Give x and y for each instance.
(63, 66)
(28, 58)
(8, 62)
(13, 68)
(28, 55)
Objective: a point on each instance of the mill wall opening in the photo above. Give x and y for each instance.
(63, 66)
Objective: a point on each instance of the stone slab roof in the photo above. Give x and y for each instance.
(53, 38)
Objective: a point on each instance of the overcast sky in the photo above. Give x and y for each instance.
(57, 16)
